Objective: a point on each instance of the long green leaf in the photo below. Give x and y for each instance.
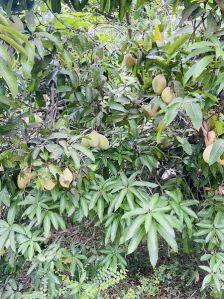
(14, 33)
(174, 46)
(84, 150)
(120, 199)
(122, 8)
(13, 43)
(187, 12)
(167, 237)
(135, 240)
(134, 227)
(196, 69)
(56, 6)
(194, 112)
(152, 244)
(171, 113)
(161, 219)
(8, 75)
(75, 157)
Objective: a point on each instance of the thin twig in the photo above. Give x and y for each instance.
(128, 20)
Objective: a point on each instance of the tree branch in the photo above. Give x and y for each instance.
(128, 20)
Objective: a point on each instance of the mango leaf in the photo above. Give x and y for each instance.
(56, 6)
(9, 77)
(173, 47)
(134, 227)
(118, 107)
(187, 13)
(171, 113)
(201, 45)
(135, 240)
(185, 145)
(84, 150)
(198, 52)
(212, 24)
(103, 4)
(197, 69)
(55, 150)
(28, 65)
(152, 244)
(122, 8)
(170, 239)
(4, 101)
(16, 35)
(30, 21)
(217, 151)
(75, 157)
(194, 112)
(55, 40)
(140, 3)
(5, 197)
(4, 53)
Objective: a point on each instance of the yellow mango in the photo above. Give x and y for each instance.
(103, 142)
(159, 84)
(65, 178)
(48, 184)
(129, 60)
(24, 178)
(93, 139)
(167, 95)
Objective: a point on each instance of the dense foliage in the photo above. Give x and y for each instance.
(111, 145)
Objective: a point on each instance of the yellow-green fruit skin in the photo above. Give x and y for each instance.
(167, 95)
(210, 138)
(96, 140)
(24, 179)
(21, 182)
(103, 142)
(85, 142)
(129, 61)
(48, 184)
(159, 84)
(207, 152)
(66, 178)
(93, 139)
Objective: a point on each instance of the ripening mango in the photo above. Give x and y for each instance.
(129, 60)
(65, 178)
(210, 138)
(24, 178)
(167, 95)
(96, 140)
(93, 139)
(48, 184)
(85, 141)
(103, 142)
(159, 84)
